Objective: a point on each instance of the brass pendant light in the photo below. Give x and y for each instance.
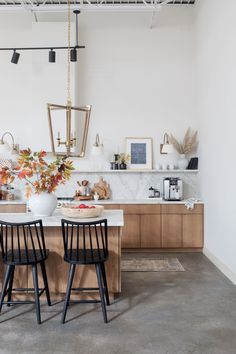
(78, 140)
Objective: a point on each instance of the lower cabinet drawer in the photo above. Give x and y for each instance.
(140, 209)
(111, 206)
(181, 209)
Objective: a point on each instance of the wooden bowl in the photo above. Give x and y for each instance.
(72, 212)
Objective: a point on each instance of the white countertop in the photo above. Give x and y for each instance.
(114, 218)
(135, 201)
(113, 201)
(15, 201)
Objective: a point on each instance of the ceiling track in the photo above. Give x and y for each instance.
(89, 5)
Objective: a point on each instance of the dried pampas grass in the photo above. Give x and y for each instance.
(189, 143)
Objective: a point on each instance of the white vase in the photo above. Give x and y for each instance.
(182, 162)
(43, 204)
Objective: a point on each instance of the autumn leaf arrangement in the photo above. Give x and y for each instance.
(188, 144)
(38, 174)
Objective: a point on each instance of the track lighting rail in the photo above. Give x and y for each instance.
(44, 48)
(52, 53)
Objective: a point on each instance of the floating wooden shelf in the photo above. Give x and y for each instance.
(135, 171)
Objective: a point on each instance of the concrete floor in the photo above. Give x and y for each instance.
(191, 312)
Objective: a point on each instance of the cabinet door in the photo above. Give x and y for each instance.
(193, 231)
(131, 232)
(150, 227)
(171, 231)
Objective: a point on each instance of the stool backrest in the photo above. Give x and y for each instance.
(88, 237)
(18, 239)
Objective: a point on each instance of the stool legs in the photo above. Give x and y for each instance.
(101, 291)
(45, 280)
(7, 279)
(10, 286)
(36, 292)
(68, 291)
(105, 283)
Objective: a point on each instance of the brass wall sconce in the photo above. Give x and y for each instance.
(97, 148)
(166, 147)
(5, 148)
(76, 140)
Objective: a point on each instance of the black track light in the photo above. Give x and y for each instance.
(52, 56)
(73, 55)
(15, 57)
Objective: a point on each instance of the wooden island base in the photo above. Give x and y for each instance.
(57, 269)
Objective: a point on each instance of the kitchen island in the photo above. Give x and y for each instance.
(57, 269)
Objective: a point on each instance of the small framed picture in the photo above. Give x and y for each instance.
(140, 151)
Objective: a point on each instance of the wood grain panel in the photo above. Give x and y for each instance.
(171, 231)
(140, 209)
(181, 209)
(111, 206)
(193, 231)
(131, 232)
(150, 226)
(13, 208)
(57, 269)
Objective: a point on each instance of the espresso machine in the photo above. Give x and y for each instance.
(173, 189)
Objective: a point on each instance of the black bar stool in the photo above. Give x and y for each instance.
(23, 244)
(86, 244)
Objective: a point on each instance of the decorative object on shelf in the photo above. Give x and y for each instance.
(5, 149)
(42, 179)
(97, 148)
(193, 164)
(166, 147)
(123, 161)
(51, 49)
(140, 151)
(114, 165)
(77, 141)
(84, 191)
(187, 146)
(102, 188)
(182, 162)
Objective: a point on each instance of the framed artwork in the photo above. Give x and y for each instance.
(140, 151)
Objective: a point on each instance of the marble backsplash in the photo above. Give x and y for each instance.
(133, 185)
(127, 185)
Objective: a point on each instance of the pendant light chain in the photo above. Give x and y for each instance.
(68, 58)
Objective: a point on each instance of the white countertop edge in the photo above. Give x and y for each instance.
(136, 201)
(114, 201)
(12, 202)
(114, 218)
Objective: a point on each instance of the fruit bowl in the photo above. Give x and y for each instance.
(82, 211)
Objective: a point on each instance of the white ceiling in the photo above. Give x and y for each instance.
(88, 5)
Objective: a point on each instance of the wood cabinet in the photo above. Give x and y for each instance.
(131, 232)
(193, 230)
(161, 226)
(182, 228)
(12, 208)
(171, 231)
(150, 229)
